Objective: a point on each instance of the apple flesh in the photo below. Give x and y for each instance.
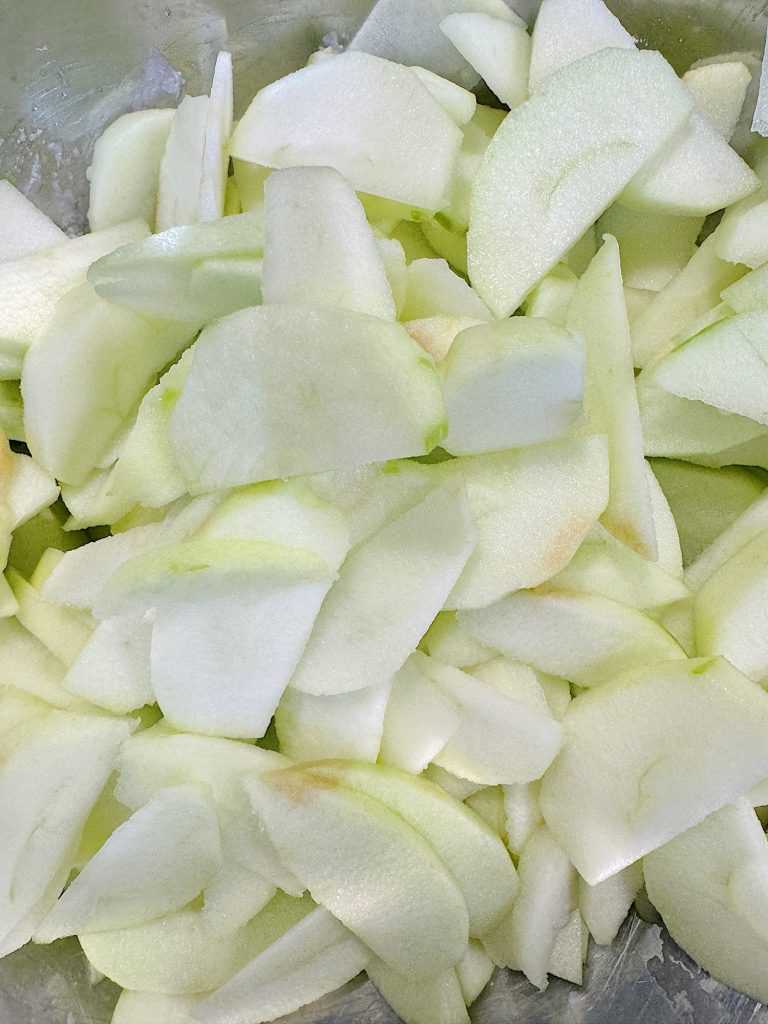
(25, 228)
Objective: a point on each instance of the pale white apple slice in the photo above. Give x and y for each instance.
(319, 248)
(62, 631)
(29, 666)
(473, 855)
(420, 1002)
(560, 160)
(186, 953)
(605, 906)
(418, 722)
(245, 414)
(154, 864)
(598, 312)
(347, 725)
(435, 290)
(317, 956)
(532, 509)
(522, 812)
(516, 382)
(28, 488)
(371, 119)
(125, 169)
(526, 938)
(112, 670)
(392, 256)
(448, 641)
(234, 895)
(584, 638)
(499, 50)
(181, 168)
(477, 137)
(488, 804)
(566, 30)
(25, 228)
(670, 558)
(458, 789)
(457, 102)
(709, 885)
(633, 773)
(570, 952)
(742, 235)
(140, 1007)
(654, 247)
(719, 90)
(474, 972)
(218, 128)
(388, 592)
(506, 732)
(368, 867)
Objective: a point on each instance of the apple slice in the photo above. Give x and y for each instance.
(749, 293)
(246, 415)
(372, 120)
(522, 814)
(218, 128)
(459, 103)
(178, 193)
(719, 91)
(112, 669)
(140, 1007)
(474, 972)
(532, 509)
(477, 135)
(552, 296)
(319, 249)
(448, 641)
(709, 885)
(633, 773)
(654, 247)
(11, 410)
(389, 590)
(125, 168)
(153, 865)
(498, 49)
(533, 198)
(25, 228)
(516, 382)
(752, 521)
(62, 631)
(312, 959)
(566, 30)
(605, 906)
(423, 1001)
(436, 334)
(28, 488)
(741, 238)
(368, 867)
(29, 666)
(234, 895)
(435, 290)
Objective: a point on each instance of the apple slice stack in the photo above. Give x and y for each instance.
(364, 608)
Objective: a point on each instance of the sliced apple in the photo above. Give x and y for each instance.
(654, 247)
(62, 631)
(218, 128)
(752, 521)
(523, 814)
(29, 666)
(25, 228)
(423, 1001)
(448, 641)
(498, 49)
(435, 290)
(552, 296)
(112, 670)
(140, 1007)
(719, 91)
(605, 906)
(474, 972)
(457, 102)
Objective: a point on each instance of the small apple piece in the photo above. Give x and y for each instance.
(552, 296)
(741, 238)
(62, 631)
(140, 1007)
(29, 666)
(523, 814)
(235, 894)
(633, 773)
(654, 248)
(423, 1001)
(112, 669)
(436, 334)
(448, 641)
(418, 722)
(319, 248)
(749, 293)
(605, 906)
(435, 290)
(744, 529)
(460, 104)
(558, 162)
(719, 91)
(125, 168)
(218, 128)
(499, 50)
(29, 488)
(25, 228)
(372, 120)
(512, 383)
(474, 972)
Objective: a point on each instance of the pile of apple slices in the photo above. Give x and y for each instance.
(345, 623)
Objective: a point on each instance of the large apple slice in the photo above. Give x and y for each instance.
(25, 228)
(372, 120)
(388, 592)
(320, 249)
(498, 49)
(363, 862)
(260, 403)
(560, 160)
(633, 772)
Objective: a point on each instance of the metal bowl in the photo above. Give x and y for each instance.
(69, 68)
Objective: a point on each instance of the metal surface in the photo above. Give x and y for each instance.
(70, 67)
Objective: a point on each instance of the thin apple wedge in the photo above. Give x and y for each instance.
(25, 228)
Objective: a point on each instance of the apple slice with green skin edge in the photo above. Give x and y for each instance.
(532, 509)
(361, 861)
(598, 312)
(62, 631)
(317, 956)
(499, 50)
(457, 102)
(388, 592)
(510, 384)
(435, 290)
(154, 864)
(319, 248)
(113, 668)
(632, 773)
(185, 953)
(709, 886)
(422, 1001)
(719, 91)
(372, 120)
(125, 168)
(654, 247)
(245, 415)
(469, 850)
(605, 906)
(584, 638)
(25, 228)
(525, 219)
(566, 30)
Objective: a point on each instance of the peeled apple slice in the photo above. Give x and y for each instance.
(372, 120)
(218, 128)
(633, 772)
(418, 722)
(419, 1002)
(320, 249)
(112, 669)
(499, 50)
(559, 161)
(433, 289)
(245, 414)
(459, 103)
(139, 1007)
(178, 194)
(752, 521)
(719, 91)
(25, 228)
(604, 906)
(653, 247)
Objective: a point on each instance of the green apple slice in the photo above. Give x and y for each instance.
(633, 773)
(605, 906)
(516, 382)
(423, 1001)
(566, 30)
(709, 885)
(112, 669)
(11, 410)
(532, 509)
(473, 855)
(366, 865)
(140, 1007)
(719, 91)
(315, 957)
(654, 247)
(598, 312)
(584, 638)
(63, 631)
(522, 813)
(498, 49)
(436, 334)
(25, 228)
(246, 415)
(372, 120)
(125, 168)
(319, 248)
(534, 197)
(388, 592)
(435, 290)
(154, 864)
